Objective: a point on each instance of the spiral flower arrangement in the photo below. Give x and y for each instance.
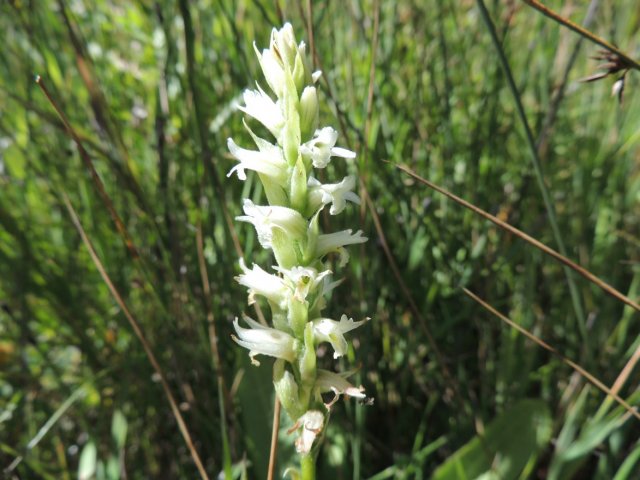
(297, 289)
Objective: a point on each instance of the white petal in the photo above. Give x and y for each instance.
(335, 193)
(312, 423)
(273, 71)
(261, 107)
(333, 241)
(322, 146)
(327, 381)
(265, 218)
(261, 340)
(328, 330)
(342, 152)
(303, 280)
(262, 283)
(270, 163)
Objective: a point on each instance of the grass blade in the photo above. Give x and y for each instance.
(138, 331)
(632, 410)
(529, 239)
(537, 168)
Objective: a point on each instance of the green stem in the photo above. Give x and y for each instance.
(308, 467)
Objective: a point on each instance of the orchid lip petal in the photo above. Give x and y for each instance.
(337, 383)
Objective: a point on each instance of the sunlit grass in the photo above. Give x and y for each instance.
(149, 96)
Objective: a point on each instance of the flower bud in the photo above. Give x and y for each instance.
(272, 70)
(283, 42)
(286, 389)
(291, 131)
(309, 113)
(299, 75)
(307, 365)
(298, 193)
(297, 316)
(285, 248)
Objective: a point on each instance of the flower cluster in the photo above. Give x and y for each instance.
(289, 226)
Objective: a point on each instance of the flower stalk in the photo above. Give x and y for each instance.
(288, 224)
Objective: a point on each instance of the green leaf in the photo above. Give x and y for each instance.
(628, 467)
(119, 429)
(15, 161)
(508, 444)
(113, 468)
(88, 462)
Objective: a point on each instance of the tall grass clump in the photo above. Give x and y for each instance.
(496, 179)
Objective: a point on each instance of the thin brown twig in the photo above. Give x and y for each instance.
(84, 155)
(211, 330)
(547, 12)
(542, 142)
(623, 375)
(138, 332)
(632, 410)
(274, 439)
(527, 238)
(206, 291)
(100, 108)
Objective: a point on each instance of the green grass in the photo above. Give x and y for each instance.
(150, 88)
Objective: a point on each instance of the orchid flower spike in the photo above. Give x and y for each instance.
(297, 287)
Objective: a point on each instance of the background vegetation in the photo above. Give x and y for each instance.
(150, 88)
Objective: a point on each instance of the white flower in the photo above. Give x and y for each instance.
(261, 107)
(282, 56)
(266, 218)
(262, 283)
(312, 423)
(327, 330)
(298, 282)
(303, 280)
(333, 242)
(335, 193)
(268, 161)
(321, 148)
(272, 69)
(337, 383)
(283, 42)
(261, 340)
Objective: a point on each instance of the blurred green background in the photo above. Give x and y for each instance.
(151, 89)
